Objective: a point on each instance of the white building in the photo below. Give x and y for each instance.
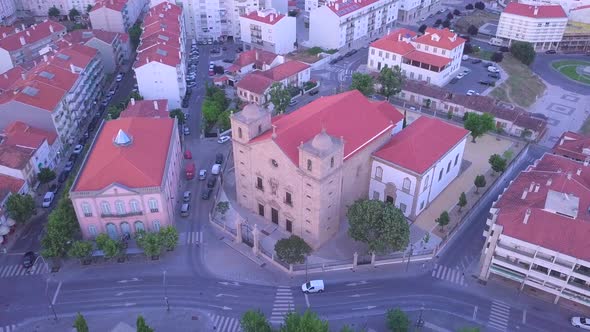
(434, 57)
(417, 164)
(116, 15)
(567, 5)
(410, 11)
(537, 234)
(160, 67)
(350, 23)
(40, 8)
(580, 13)
(542, 26)
(7, 12)
(79, 5)
(268, 30)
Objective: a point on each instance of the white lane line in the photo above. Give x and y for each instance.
(500, 310)
(5, 271)
(524, 317)
(56, 292)
(499, 317)
(501, 304)
(307, 300)
(474, 312)
(438, 273)
(497, 326)
(200, 237)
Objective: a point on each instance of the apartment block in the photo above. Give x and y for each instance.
(410, 11)
(116, 15)
(268, 30)
(7, 12)
(113, 47)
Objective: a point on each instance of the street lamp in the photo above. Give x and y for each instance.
(165, 291)
(410, 256)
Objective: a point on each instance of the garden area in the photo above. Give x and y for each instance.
(216, 110)
(309, 55)
(576, 70)
(476, 18)
(522, 87)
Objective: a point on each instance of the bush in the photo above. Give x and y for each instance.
(446, 24)
(469, 7)
(472, 30)
(315, 50)
(523, 51)
(450, 16)
(438, 22)
(309, 85)
(467, 49)
(480, 5)
(456, 12)
(497, 57)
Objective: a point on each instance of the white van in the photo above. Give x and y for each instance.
(216, 169)
(493, 69)
(313, 286)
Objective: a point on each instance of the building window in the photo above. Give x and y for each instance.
(134, 205)
(120, 207)
(288, 200)
(259, 126)
(105, 207)
(422, 205)
(375, 194)
(153, 204)
(440, 174)
(239, 132)
(449, 166)
(378, 173)
(309, 165)
(456, 159)
(274, 163)
(138, 226)
(289, 226)
(259, 185)
(403, 207)
(86, 209)
(92, 230)
(156, 225)
(332, 162)
(406, 185)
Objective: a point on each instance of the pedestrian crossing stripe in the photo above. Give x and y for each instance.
(191, 237)
(8, 328)
(499, 315)
(225, 324)
(283, 305)
(16, 270)
(446, 273)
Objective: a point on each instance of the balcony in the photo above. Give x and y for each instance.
(121, 215)
(508, 264)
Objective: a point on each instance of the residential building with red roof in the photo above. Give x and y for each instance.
(28, 43)
(7, 12)
(541, 25)
(269, 30)
(434, 57)
(537, 231)
(417, 164)
(57, 94)
(574, 146)
(300, 170)
(130, 179)
(160, 65)
(116, 15)
(113, 47)
(253, 59)
(9, 185)
(348, 23)
(146, 108)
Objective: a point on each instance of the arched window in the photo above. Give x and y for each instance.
(134, 204)
(309, 165)
(153, 203)
(378, 173)
(125, 228)
(138, 226)
(156, 225)
(105, 207)
(449, 166)
(120, 207)
(239, 132)
(86, 210)
(112, 231)
(406, 185)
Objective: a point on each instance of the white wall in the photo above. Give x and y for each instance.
(5, 61)
(107, 19)
(438, 186)
(324, 28)
(284, 35)
(159, 81)
(528, 29)
(396, 177)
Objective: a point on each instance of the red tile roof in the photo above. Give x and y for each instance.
(138, 165)
(8, 184)
(159, 38)
(255, 82)
(31, 35)
(573, 145)
(269, 16)
(345, 7)
(427, 58)
(285, 70)
(422, 144)
(543, 11)
(10, 77)
(147, 108)
(441, 38)
(116, 5)
(256, 57)
(394, 42)
(544, 228)
(15, 157)
(82, 36)
(349, 115)
(21, 134)
(165, 54)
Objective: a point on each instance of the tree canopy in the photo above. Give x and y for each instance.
(380, 225)
(443, 219)
(134, 34)
(479, 182)
(397, 320)
(308, 322)
(142, 326)
(462, 201)
(53, 12)
(80, 323)
(362, 82)
(422, 28)
(168, 237)
(279, 97)
(80, 249)
(254, 321)
(292, 250)
(45, 175)
(73, 14)
(391, 80)
(498, 163)
(20, 208)
(178, 114)
(472, 30)
(523, 51)
(479, 124)
(61, 227)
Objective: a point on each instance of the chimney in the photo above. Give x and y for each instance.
(28, 33)
(147, 60)
(537, 187)
(132, 101)
(532, 186)
(536, 11)
(5, 76)
(569, 175)
(22, 26)
(156, 105)
(4, 35)
(524, 193)
(23, 76)
(337, 6)
(45, 57)
(256, 52)
(272, 17)
(51, 28)
(561, 142)
(527, 215)
(22, 41)
(72, 68)
(549, 182)
(579, 172)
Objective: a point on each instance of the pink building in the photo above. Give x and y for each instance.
(130, 178)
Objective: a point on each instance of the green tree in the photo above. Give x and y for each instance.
(80, 323)
(150, 243)
(168, 237)
(480, 5)
(443, 220)
(468, 329)
(498, 163)
(380, 225)
(222, 208)
(480, 182)
(523, 51)
(178, 114)
(497, 57)
(45, 175)
(142, 326)
(462, 201)
(292, 250)
(114, 111)
(224, 119)
(53, 12)
(507, 155)
(479, 124)
(469, 6)
(422, 28)
(101, 240)
(346, 328)
(20, 208)
(210, 110)
(73, 14)
(254, 321)
(134, 34)
(111, 248)
(472, 30)
(279, 97)
(308, 322)
(446, 23)
(363, 82)
(61, 227)
(397, 320)
(88, 8)
(391, 80)
(526, 133)
(80, 250)
(220, 98)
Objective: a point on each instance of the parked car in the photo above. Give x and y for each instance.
(454, 80)
(340, 58)
(333, 61)
(54, 188)
(313, 286)
(504, 49)
(29, 259)
(202, 174)
(48, 199)
(186, 196)
(69, 166)
(459, 76)
(471, 92)
(73, 157)
(211, 182)
(292, 102)
(540, 116)
(314, 92)
(490, 83)
(119, 77)
(78, 148)
(551, 52)
(188, 154)
(476, 61)
(185, 210)
(216, 169)
(465, 57)
(581, 322)
(186, 131)
(494, 75)
(493, 69)
(350, 53)
(228, 60)
(191, 84)
(185, 103)
(219, 158)
(206, 193)
(63, 176)
(223, 139)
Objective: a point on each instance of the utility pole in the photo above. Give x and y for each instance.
(420, 321)
(165, 291)
(410, 256)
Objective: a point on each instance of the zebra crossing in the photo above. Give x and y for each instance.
(499, 315)
(224, 323)
(189, 238)
(282, 305)
(449, 274)
(8, 328)
(17, 270)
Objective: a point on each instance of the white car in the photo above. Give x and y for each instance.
(493, 69)
(460, 76)
(470, 92)
(581, 322)
(119, 78)
(465, 57)
(78, 149)
(186, 131)
(313, 286)
(465, 72)
(223, 139)
(47, 199)
(202, 174)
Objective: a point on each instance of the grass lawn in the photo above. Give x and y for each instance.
(522, 87)
(484, 55)
(500, 93)
(568, 68)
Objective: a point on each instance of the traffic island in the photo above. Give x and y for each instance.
(575, 70)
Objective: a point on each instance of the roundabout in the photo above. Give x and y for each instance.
(576, 70)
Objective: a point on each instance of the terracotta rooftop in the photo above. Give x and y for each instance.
(542, 11)
(422, 144)
(116, 5)
(82, 36)
(427, 58)
(285, 70)
(21, 134)
(8, 78)
(398, 41)
(165, 12)
(8, 184)
(147, 108)
(256, 57)
(349, 115)
(15, 157)
(255, 82)
(345, 7)
(268, 16)
(166, 54)
(564, 187)
(139, 164)
(573, 145)
(441, 38)
(31, 35)
(159, 38)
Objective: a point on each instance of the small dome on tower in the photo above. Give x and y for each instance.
(322, 141)
(122, 139)
(252, 111)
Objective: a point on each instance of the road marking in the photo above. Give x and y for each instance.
(126, 304)
(363, 282)
(282, 305)
(524, 317)
(369, 307)
(56, 293)
(126, 292)
(228, 295)
(128, 280)
(219, 307)
(225, 324)
(499, 315)
(474, 313)
(8, 328)
(359, 295)
(227, 283)
(307, 300)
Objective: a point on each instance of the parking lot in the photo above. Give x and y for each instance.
(478, 72)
